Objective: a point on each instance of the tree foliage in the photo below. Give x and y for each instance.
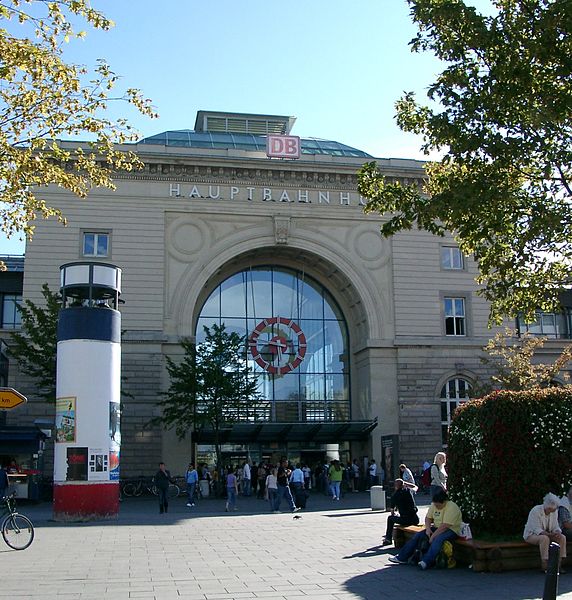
(505, 452)
(44, 99)
(514, 366)
(35, 346)
(502, 116)
(210, 387)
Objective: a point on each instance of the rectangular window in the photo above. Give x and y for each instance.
(451, 258)
(11, 318)
(96, 243)
(552, 325)
(454, 309)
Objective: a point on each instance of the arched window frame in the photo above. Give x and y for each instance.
(454, 392)
(317, 397)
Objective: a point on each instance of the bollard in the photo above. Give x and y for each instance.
(551, 580)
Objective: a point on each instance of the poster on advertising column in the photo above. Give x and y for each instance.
(77, 464)
(390, 456)
(66, 420)
(98, 465)
(114, 440)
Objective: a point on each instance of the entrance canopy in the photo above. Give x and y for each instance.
(20, 440)
(324, 432)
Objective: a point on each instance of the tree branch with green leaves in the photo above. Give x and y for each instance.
(210, 387)
(501, 114)
(43, 100)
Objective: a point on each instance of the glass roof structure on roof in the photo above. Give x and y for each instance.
(187, 138)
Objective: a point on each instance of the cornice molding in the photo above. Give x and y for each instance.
(205, 174)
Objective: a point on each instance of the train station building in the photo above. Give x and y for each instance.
(362, 346)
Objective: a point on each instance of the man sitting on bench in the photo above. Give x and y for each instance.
(402, 500)
(442, 523)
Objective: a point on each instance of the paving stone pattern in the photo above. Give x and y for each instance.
(204, 553)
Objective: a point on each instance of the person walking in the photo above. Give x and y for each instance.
(231, 489)
(335, 474)
(297, 484)
(372, 473)
(282, 477)
(162, 480)
(246, 481)
(192, 479)
(355, 475)
(271, 485)
(262, 475)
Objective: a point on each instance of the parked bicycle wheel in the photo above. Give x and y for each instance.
(173, 491)
(129, 489)
(17, 531)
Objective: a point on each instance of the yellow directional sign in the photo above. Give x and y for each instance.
(10, 398)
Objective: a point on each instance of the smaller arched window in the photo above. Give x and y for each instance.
(453, 393)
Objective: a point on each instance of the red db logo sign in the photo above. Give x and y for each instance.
(283, 146)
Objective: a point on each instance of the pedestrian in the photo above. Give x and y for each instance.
(297, 485)
(254, 479)
(564, 517)
(307, 477)
(401, 501)
(542, 528)
(335, 474)
(262, 475)
(438, 474)
(442, 523)
(246, 487)
(231, 489)
(162, 480)
(355, 475)
(372, 473)
(406, 474)
(271, 486)
(282, 477)
(4, 483)
(192, 479)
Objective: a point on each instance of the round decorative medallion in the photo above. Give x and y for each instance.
(278, 345)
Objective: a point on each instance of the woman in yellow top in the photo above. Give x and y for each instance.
(442, 523)
(335, 474)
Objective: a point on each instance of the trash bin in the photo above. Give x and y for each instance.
(377, 497)
(204, 485)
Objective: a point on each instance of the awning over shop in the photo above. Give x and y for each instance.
(327, 432)
(20, 440)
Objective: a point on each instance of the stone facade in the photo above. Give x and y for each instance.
(193, 217)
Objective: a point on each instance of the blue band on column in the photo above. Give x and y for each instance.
(89, 324)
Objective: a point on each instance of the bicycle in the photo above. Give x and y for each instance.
(137, 487)
(17, 529)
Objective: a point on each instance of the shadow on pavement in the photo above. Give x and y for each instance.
(392, 581)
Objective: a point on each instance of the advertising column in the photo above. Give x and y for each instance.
(88, 439)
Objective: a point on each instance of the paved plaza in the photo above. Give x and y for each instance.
(204, 553)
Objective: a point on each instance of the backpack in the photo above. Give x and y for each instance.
(445, 558)
(426, 477)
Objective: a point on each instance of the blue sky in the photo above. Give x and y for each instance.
(336, 65)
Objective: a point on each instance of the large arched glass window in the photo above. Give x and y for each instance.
(297, 343)
(453, 393)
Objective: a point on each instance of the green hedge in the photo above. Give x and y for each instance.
(506, 451)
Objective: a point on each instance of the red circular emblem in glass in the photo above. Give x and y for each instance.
(278, 345)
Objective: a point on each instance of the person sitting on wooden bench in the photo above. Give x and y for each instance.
(542, 528)
(442, 523)
(402, 500)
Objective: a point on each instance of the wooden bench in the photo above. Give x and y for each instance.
(486, 556)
